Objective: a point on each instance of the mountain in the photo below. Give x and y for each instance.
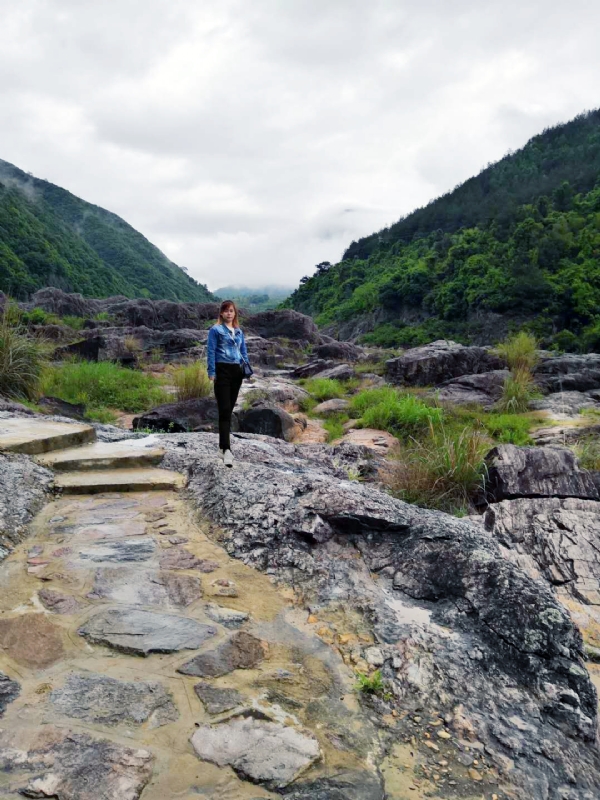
(520, 240)
(50, 237)
(255, 298)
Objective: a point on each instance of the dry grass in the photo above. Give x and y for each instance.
(520, 351)
(191, 381)
(22, 361)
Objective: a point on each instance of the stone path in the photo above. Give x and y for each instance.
(138, 660)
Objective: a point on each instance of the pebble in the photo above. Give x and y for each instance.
(444, 735)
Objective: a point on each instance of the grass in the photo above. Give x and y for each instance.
(520, 351)
(385, 408)
(442, 471)
(103, 386)
(372, 684)
(334, 425)
(76, 323)
(22, 361)
(518, 391)
(588, 453)
(509, 428)
(324, 388)
(191, 381)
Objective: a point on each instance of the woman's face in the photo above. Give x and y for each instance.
(228, 314)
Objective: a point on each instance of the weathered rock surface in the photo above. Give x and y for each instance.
(9, 690)
(226, 616)
(335, 406)
(566, 404)
(340, 372)
(286, 324)
(484, 389)
(339, 351)
(258, 750)
(31, 640)
(74, 766)
(180, 558)
(216, 700)
(568, 372)
(137, 632)
(350, 785)
(183, 416)
(145, 587)
(119, 551)
(268, 420)
(439, 362)
(24, 487)
(60, 408)
(60, 603)
(536, 472)
(239, 651)
(98, 698)
(312, 368)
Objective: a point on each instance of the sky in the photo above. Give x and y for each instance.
(252, 139)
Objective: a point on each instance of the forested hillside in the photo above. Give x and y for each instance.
(521, 239)
(49, 237)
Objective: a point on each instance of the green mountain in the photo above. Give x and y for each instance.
(49, 237)
(521, 239)
(255, 299)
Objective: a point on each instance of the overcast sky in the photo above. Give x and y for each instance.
(252, 139)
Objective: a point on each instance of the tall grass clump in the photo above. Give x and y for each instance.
(442, 471)
(103, 385)
(521, 354)
(520, 351)
(191, 381)
(588, 453)
(22, 361)
(324, 388)
(334, 425)
(387, 409)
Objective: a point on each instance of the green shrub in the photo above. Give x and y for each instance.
(324, 388)
(371, 684)
(508, 428)
(73, 322)
(385, 408)
(103, 316)
(517, 392)
(442, 471)
(334, 425)
(37, 316)
(588, 453)
(22, 361)
(104, 385)
(191, 381)
(520, 351)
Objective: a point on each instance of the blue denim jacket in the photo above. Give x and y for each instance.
(221, 348)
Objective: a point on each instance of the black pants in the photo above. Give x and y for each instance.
(228, 380)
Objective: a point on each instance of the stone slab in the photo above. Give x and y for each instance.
(145, 587)
(216, 700)
(121, 480)
(137, 632)
(121, 551)
(35, 436)
(102, 455)
(31, 640)
(226, 616)
(239, 651)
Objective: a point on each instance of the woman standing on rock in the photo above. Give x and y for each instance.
(227, 366)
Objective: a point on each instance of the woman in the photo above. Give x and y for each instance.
(226, 351)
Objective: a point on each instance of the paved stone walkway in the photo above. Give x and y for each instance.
(138, 659)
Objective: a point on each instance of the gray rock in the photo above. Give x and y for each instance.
(335, 406)
(74, 766)
(536, 472)
(215, 700)
(226, 616)
(339, 351)
(60, 603)
(312, 368)
(186, 415)
(483, 389)
(121, 551)
(24, 488)
(239, 651)
(268, 420)
(341, 372)
(180, 558)
(97, 698)
(9, 690)
(137, 632)
(439, 362)
(349, 785)
(567, 404)
(145, 587)
(261, 751)
(58, 407)
(286, 324)
(568, 372)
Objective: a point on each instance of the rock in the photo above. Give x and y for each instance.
(341, 372)
(9, 690)
(564, 404)
(180, 558)
(119, 551)
(536, 472)
(312, 368)
(271, 353)
(145, 588)
(348, 785)
(13, 407)
(74, 766)
(23, 491)
(339, 351)
(568, 372)
(100, 699)
(264, 752)
(215, 700)
(439, 362)
(563, 435)
(239, 651)
(31, 640)
(60, 408)
(268, 420)
(186, 415)
(59, 603)
(484, 389)
(140, 633)
(335, 406)
(380, 442)
(283, 324)
(226, 616)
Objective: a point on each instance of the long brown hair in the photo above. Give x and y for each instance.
(224, 305)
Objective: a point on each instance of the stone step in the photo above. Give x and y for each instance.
(103, 455)
(118, 480)
(36, 436)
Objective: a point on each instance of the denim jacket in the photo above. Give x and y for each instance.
(221, 348)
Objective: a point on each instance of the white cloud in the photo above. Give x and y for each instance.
(252, 140)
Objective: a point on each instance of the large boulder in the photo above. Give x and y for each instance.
(536, 472)
(312, 368)
(184, 416)
(484, 389)
(285, 324)
(439, 362)
(268, 420)
(341, 372)
(55, 301)
(273, 353)
(339, 351)
(564, 404)
(568, 372)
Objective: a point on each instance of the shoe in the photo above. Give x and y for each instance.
(228, 458)
(221, 453)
